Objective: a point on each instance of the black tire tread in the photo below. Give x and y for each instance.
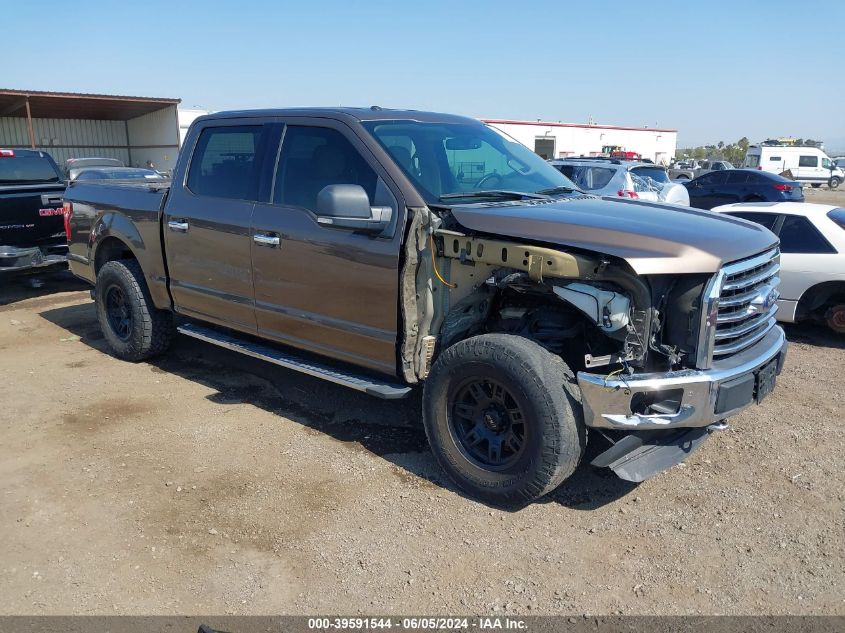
(155, 328)
(565, 438)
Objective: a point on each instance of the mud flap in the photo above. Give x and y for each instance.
(638, 456)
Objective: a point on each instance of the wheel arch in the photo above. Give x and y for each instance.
(818, 297)
(111, 248)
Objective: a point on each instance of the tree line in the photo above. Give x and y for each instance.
(734, 153)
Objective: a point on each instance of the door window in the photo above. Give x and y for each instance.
(708, 180)
(798, 235)
(826, 163)
(808, 161)
(737, 178)
(315, 157)
(588, 177)
(224, 165)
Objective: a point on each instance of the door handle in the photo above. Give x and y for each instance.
(270, 240)
(180, 226)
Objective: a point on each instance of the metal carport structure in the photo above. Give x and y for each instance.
(69, 125)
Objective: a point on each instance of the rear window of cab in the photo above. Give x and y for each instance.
(27, 168)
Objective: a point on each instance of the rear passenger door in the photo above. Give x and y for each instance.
(207, 225)
(331, 291)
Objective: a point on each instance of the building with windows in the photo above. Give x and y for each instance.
(559, 140)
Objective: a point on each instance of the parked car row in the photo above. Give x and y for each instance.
(806, 165)
(32, 233)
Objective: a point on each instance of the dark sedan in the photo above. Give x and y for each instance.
(741, 185)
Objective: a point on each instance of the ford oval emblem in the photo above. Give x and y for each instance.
(770, 299)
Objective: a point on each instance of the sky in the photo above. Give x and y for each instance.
(715, 71)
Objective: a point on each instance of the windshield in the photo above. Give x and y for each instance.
(444, 159)
(752, 160)
(27, 169)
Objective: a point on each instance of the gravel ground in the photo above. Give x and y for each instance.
(206, 482)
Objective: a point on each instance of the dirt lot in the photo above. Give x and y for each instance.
(206, 482)
(824, 195)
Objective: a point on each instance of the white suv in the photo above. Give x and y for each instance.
(812, 259)
(623, 178)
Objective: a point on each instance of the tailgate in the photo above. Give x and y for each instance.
(31, 215)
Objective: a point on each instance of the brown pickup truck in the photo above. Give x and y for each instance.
(383, 249)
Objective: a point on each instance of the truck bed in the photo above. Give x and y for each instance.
(129, 211)
(142, 197)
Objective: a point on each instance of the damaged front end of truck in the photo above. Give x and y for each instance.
(651, 378)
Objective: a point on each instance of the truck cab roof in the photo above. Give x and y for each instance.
(371, 113)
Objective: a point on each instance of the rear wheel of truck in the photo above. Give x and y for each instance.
(133, 327)
(503, 419)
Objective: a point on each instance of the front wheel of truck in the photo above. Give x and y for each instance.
(133, 327)
(502, 416)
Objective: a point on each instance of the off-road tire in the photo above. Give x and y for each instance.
(834, 317)
(546, 390)
(150, 330)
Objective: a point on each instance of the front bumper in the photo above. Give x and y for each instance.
(16, 258)
(703, 397)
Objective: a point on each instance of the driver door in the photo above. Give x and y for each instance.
(331, 291)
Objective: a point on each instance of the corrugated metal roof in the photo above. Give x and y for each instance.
(71, 105)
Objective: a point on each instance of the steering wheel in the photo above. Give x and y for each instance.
(486, 178)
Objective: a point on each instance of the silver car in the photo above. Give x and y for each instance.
(625, 179)
(74, 166)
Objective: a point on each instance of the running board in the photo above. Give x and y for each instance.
(371, 386)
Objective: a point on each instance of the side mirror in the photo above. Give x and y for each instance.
(348, 207)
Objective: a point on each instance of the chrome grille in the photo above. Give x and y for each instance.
(739, 306)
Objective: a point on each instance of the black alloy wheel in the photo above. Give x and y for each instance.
(119, 312)
(488, 422)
